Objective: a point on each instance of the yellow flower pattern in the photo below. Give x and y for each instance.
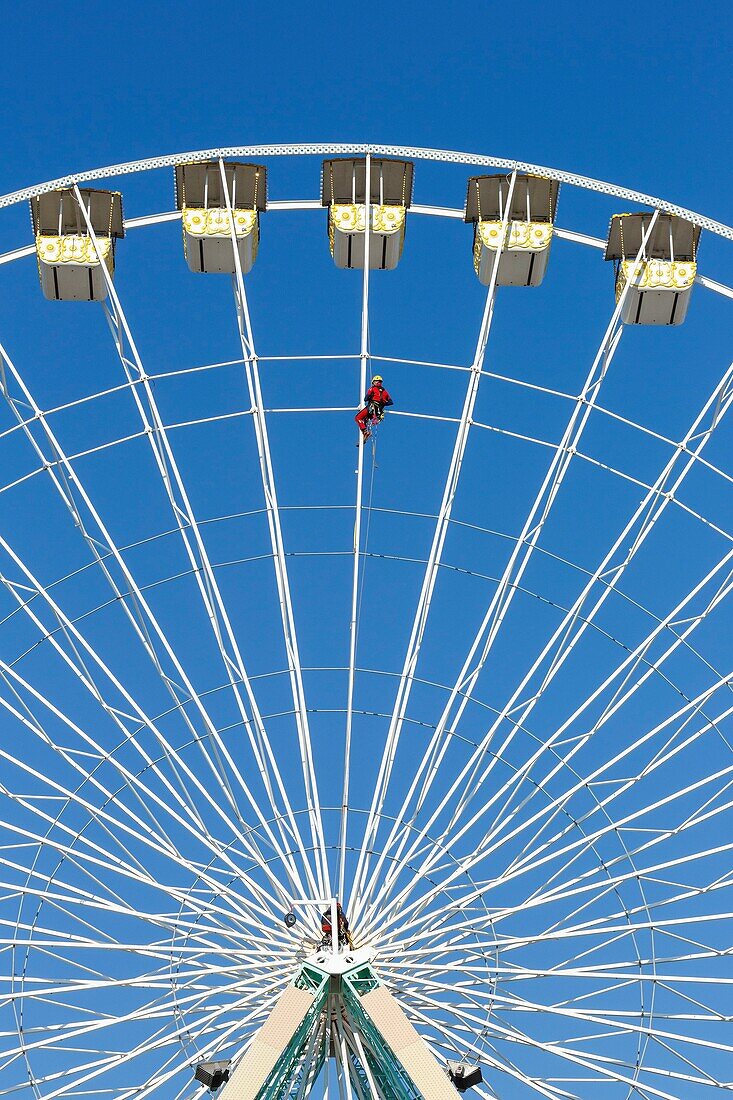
(524, 236)
(217, 222)
(352, 218)
(74, 248)
(674, 275)
(388, 219)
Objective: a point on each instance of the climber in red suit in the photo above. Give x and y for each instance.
(376, 400)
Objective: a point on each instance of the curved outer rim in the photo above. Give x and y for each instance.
(331, 149)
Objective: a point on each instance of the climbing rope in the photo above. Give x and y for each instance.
(366, 533)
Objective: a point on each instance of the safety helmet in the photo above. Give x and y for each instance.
(376, 378)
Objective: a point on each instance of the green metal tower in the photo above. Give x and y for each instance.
(337, 1008)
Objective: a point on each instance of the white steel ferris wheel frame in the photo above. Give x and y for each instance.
(380, 902)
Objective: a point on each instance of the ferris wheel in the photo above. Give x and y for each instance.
(388, 759)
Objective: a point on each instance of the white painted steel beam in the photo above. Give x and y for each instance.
(287, 616)
(357, 566)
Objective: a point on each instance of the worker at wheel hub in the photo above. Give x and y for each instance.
(344, 935)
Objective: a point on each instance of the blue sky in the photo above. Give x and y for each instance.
(603, 89)
(636, 96)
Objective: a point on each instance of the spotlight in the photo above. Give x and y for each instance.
(464, 1076)
(213, 1074)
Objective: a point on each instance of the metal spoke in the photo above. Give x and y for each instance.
(278, 551)
(360, 893)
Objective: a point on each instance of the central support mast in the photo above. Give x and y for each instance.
(337, 1007)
